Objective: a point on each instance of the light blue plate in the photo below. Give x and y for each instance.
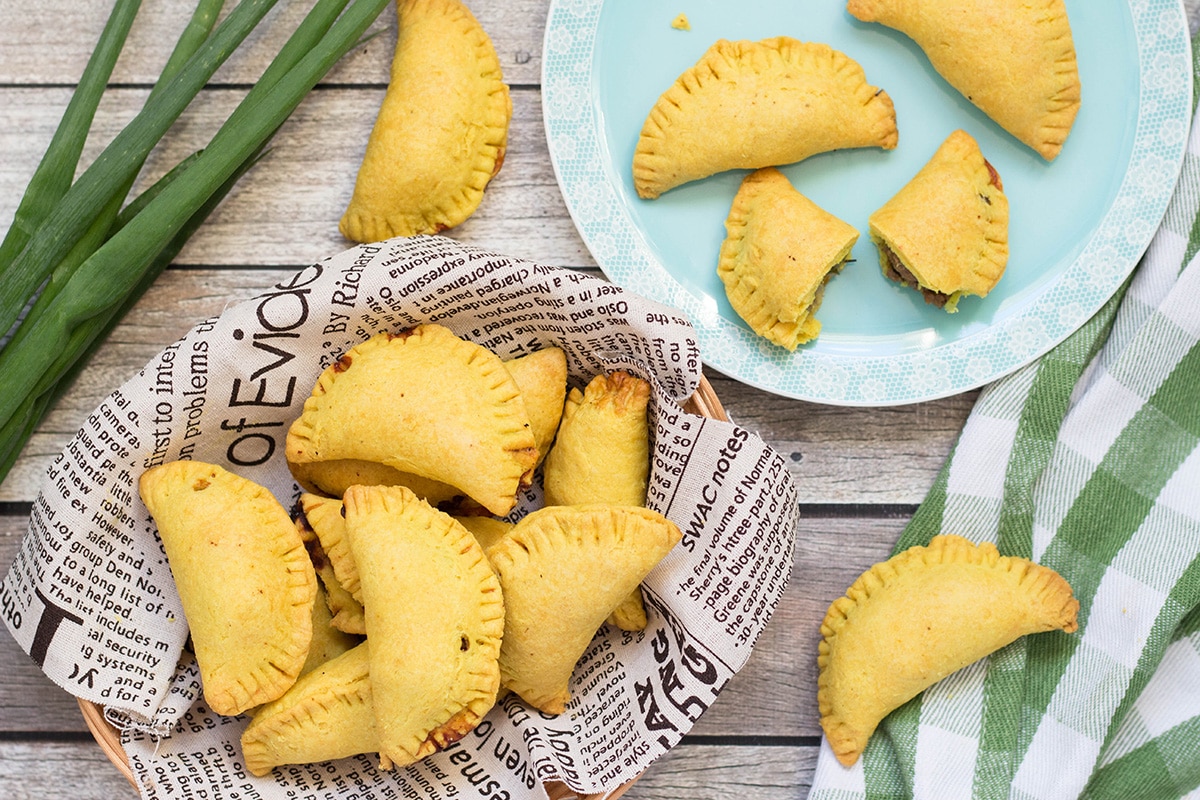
(1078, 225)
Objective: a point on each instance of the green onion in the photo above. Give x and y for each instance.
(118, 164)
(193, 36)
(142, 200)
(54, 173)
(15, 433)
(92, 285)
(85, 306)
(110, 220)
(195, 33)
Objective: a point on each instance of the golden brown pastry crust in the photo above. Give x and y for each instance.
(923, 614)
(425, 402)
(563, 570)
(779, 250)
(486, 530)
(1014, 59)
(948, 226)
(344, 612)
(326, 517)
(441, 133)
(602, 455)
(435, 616)
(243, 576)
(333, 478)
(747, 105)
(542, 378)
(630, 613)
(328, 714)
(330, 638)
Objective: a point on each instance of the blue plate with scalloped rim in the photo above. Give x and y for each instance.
(1078, 225)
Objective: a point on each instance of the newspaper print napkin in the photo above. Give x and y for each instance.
(1087, 461)
(89, 595)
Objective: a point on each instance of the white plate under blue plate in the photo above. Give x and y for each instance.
(1078, 224)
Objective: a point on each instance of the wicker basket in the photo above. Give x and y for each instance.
(704, 403)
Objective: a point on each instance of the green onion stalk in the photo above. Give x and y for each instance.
(91, 285)
(194, 34)
(54, 173)
(118, 163)
(38, 400)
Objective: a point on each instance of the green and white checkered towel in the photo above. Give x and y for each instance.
(1087, 461)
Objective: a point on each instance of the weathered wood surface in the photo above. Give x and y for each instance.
(285, 211)
(693, 771)
(50, 42)
(860, 471)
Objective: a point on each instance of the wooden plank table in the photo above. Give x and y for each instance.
(861, 472)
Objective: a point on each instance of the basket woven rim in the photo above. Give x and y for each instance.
(704, 402)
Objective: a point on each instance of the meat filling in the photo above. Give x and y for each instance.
(819, 295)
(896, 271)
